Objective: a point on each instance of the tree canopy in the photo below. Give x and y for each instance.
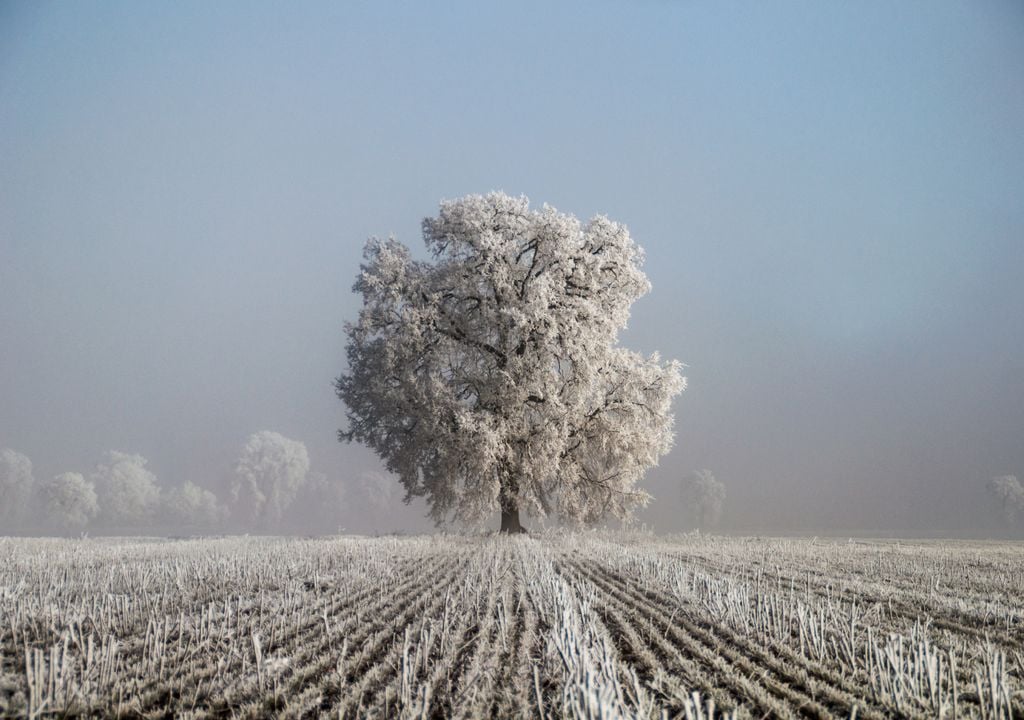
(128, 492)
(1009, 494)
(489, 377)
(69, 501)
(16, 486)
(269, 474)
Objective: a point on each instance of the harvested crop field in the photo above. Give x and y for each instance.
(547, 626)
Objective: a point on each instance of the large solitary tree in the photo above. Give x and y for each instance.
(489, 377)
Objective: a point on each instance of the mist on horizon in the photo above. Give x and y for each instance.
(828, 198)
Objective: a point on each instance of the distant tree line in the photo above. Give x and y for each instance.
(705, 495)
(272, 488)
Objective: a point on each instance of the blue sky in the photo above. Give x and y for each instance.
(829, 194)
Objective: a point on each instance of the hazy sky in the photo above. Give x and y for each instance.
(830, 195)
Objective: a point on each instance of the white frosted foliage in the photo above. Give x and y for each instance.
(269, 474)
(16, 486)
(190, 505)
(490, 377)
(128, 492)
(1009, 494)
(69, 501)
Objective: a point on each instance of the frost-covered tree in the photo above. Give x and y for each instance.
(16, 487)
(489, 378)
(705, 494)
(1008, 493)
(191, 506)
(128, 493)
(69, 501)
(268, 475)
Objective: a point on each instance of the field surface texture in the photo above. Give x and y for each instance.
(550, 626)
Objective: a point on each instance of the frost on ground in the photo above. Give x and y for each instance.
(584, 626)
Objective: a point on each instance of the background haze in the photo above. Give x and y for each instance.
(830, 197)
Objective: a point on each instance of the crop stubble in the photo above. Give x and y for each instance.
(553, 625)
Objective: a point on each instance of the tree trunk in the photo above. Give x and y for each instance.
(510, 521)
(508, 499)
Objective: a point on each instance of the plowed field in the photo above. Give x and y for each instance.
(549, 626)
